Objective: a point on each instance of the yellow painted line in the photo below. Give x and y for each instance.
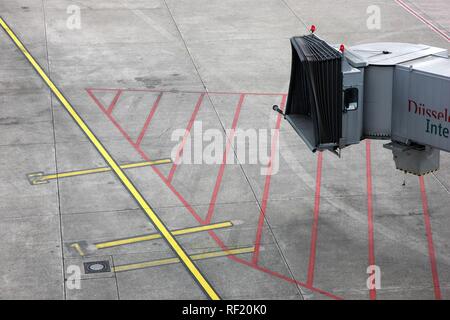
(77, 247)
(201, 256)
(43, 178)
(154, 236)
(198, 276)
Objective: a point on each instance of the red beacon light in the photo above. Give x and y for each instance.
(342, 48)
(312, 29)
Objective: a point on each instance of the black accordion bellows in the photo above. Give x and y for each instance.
(314, 104)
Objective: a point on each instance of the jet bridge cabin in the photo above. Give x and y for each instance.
(324, 105)
(391, 91)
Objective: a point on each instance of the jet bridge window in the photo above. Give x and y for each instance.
(351, 99)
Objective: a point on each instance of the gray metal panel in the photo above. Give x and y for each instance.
(421, 108)
(352, 121)
(304, 128)
(433, 65)
(394, 53)
(355, 59)
(378, 101)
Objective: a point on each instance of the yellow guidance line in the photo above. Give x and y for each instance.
(179, 251)
(77, 247)
(201, 256)
(39, 178)
(154, 236)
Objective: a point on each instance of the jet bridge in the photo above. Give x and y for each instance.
(390, 91)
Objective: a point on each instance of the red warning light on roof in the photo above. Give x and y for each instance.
(342, 48)
(313, 28)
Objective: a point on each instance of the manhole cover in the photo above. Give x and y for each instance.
(97, 267)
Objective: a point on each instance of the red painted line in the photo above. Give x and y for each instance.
(372, 292)
(270, 272)
(114, 102)
(212, 203)
(146, 158)
(423, 19)
(265, 198)
(198, 92)
(312, 252)
(97, 102)
(431, 252)
(191, 210)
(186, 135)
(285, 278)
(149, 119)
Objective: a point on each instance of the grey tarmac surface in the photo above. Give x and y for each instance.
(127, 54)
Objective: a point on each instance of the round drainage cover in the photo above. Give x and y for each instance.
(96, 267)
